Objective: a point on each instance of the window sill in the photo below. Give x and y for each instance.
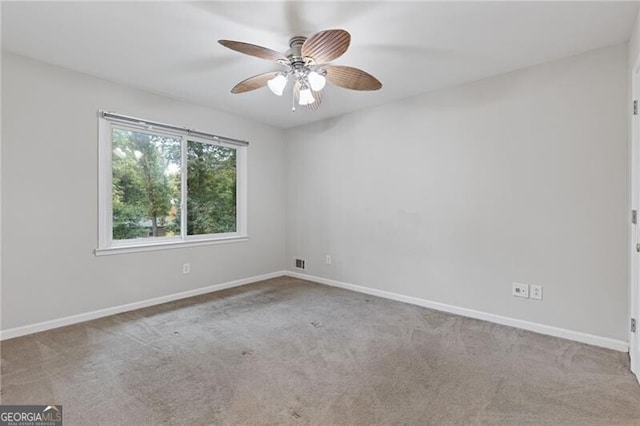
(166, 245)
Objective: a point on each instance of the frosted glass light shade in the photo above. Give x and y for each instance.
(316, 81)
(306, 97)
(277, 84)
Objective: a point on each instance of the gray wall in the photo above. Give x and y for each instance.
(453, 195)
(49, 198)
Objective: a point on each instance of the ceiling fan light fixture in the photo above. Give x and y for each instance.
(306, 97)
(277, 84)
(308, 66)
(316, 81)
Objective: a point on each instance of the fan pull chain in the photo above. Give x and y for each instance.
(293, 101)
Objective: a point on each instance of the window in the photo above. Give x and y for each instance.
(165, 186)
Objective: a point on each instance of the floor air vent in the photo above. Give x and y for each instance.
(300, 263)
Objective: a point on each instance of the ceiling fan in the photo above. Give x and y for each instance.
(307, 65)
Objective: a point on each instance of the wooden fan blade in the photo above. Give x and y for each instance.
(351, 78)
(252, 49)
(316, 95)
(326, 46)
(252, 83)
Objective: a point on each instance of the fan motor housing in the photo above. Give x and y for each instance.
(295, 52)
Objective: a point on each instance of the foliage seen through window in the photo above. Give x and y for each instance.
(147, 186)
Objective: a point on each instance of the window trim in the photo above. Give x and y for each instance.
(106, 244)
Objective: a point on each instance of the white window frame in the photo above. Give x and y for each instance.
(106, 243)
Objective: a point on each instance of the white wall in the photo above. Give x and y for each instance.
(49, 198)
(634, 43)
(449, 196)
(634, 298)
(453, 195)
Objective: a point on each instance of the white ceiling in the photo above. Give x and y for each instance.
(412, 47)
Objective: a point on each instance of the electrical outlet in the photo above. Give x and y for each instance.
(520, 290)
(536, 292)
(186, 268)
(328, 259)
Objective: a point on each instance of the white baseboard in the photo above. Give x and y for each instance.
(74, 319)
(577, 336)
(605, 342)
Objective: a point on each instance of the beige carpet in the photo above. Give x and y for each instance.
(286, 351)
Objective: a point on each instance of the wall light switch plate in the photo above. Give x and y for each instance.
(520, 290)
